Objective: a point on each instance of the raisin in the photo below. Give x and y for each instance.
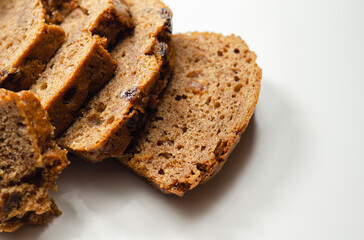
(166, 14)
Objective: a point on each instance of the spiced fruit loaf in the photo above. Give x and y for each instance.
(82, 65)
(201, 115)
(27, 41)
(109, 121)
(30, 161)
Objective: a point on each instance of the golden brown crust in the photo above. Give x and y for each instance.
(111, 118)
(30, 161)
(57, 10)
(113, 18)
(30, 218)
(201, 115)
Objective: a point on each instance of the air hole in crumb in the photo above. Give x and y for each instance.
(222, 117)
(228, 84)
(217, 104)
(233, 96)
(44, 86)
(237, 88)
(159, 118)
(179, 147)
(184, 129)
(161, 172)
(236, 78)
(100, 107)
(203, 148)
(178, 97)
(196, 146)
(219, 53)
(94, 119)
(166, 155)
(20, 125)
(170, 142)
(160, 143)
(247, 81)
(184, 96)
(69, 94)
(110, 120)
(248, 60)
(236, 51)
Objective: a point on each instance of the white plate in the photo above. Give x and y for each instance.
(298, 171)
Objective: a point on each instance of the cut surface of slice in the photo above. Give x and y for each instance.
(82, 65)
(27, 42)
(109, 121)
(30, 161)
(204, 110)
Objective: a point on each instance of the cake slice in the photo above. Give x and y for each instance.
(82, 65)
(27, 41)
(110, 119)
(107, 18)
(30, 161)
(201, 115)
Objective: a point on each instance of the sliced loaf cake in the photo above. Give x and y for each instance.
(27, 41)
(82, 65)
(30, 161)
(201, 115)
(110, 119)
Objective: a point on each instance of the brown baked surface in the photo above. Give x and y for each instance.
(57, 10)
(27, 42)
(110, 119)
(30, 161)
(81, 66)
(202, 113)
(107, 18)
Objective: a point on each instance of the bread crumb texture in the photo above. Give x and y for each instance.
(27, 41)
(30, 161)
(202, 113)
(82, 65)
(109, 121)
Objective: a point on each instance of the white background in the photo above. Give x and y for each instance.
(298, 171)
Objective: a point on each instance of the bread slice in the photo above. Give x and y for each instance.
(57, 10)
(110, 119)
(27, 42)
(30, 161)
(201, 115)
(107, 18)
(82, 65)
